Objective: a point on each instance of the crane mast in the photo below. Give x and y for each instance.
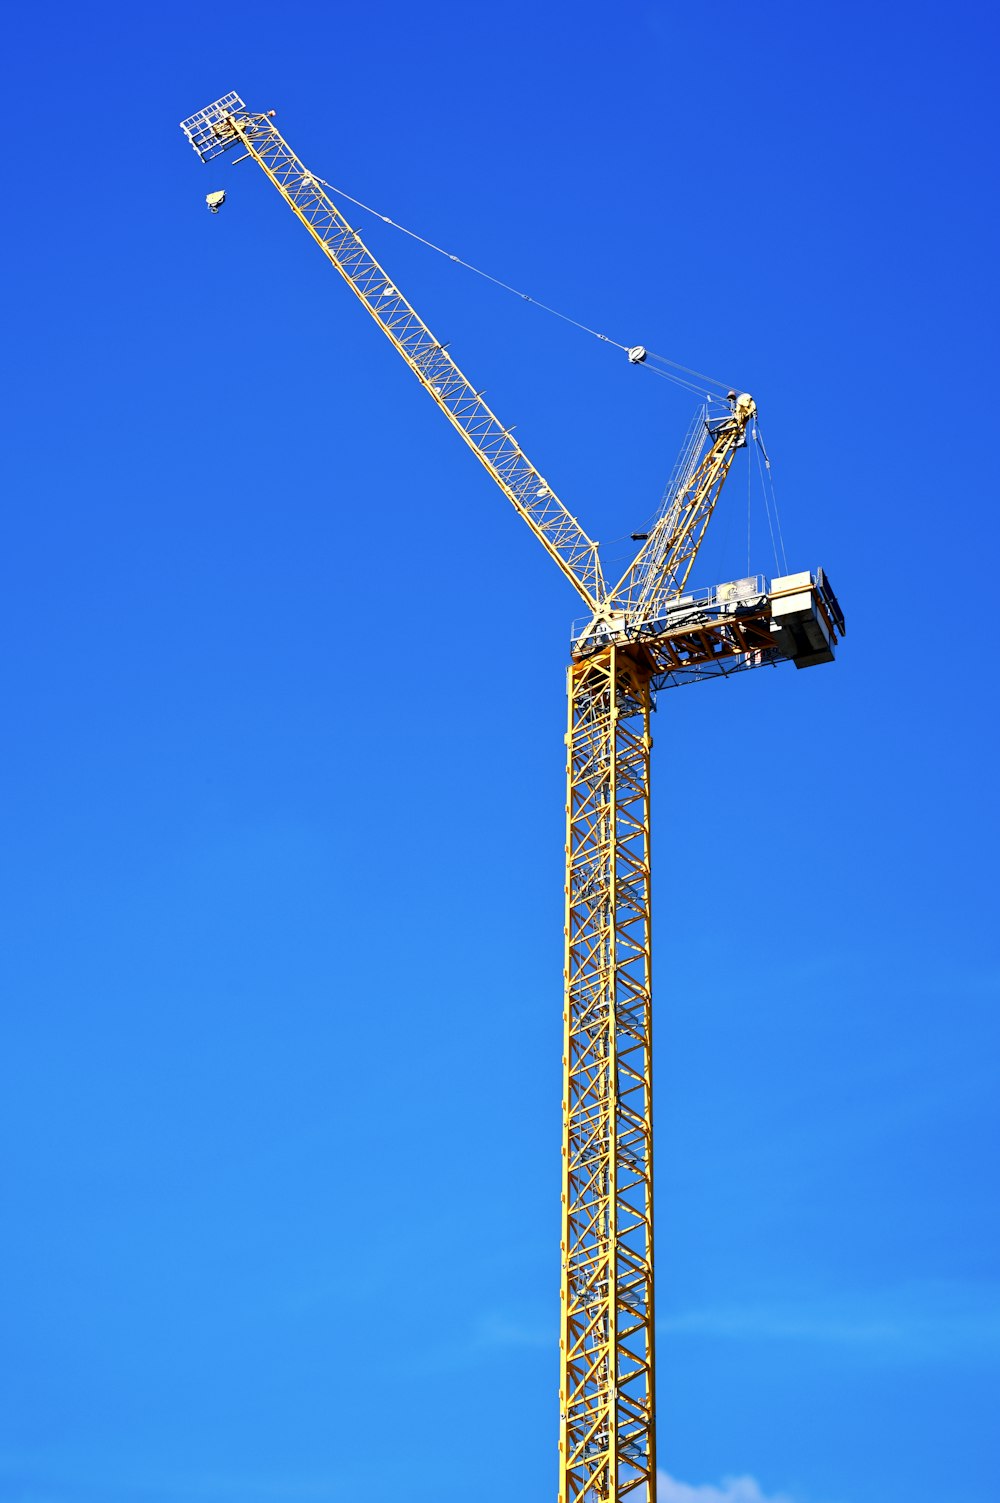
(643, 634)
(607, 1443)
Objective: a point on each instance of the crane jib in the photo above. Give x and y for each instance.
(229, 124)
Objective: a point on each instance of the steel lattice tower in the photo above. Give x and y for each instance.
(607, 1430)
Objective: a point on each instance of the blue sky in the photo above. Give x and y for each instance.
(283, 766)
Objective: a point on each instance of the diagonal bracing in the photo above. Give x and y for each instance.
(607, 1447)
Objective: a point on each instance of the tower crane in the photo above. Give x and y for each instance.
(646, 632)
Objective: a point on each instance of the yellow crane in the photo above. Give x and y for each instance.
(643, 633)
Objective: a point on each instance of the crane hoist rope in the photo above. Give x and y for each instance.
(638, 354)
(768, 485)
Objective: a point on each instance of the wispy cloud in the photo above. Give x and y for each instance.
(497, 1329)
(33, 1479)
(219, 1489)
(925, 1321)
(930, 1319)
(730, 1490)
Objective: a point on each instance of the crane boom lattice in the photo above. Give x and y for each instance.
(493, 444)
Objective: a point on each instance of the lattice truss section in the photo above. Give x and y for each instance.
(660, 570)
(607, 1448)
(495, 446)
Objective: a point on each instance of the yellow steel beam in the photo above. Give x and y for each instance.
(607, 1407)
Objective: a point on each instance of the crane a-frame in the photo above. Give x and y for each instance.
(645, 632)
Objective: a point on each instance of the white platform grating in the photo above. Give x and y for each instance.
(207, 129)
